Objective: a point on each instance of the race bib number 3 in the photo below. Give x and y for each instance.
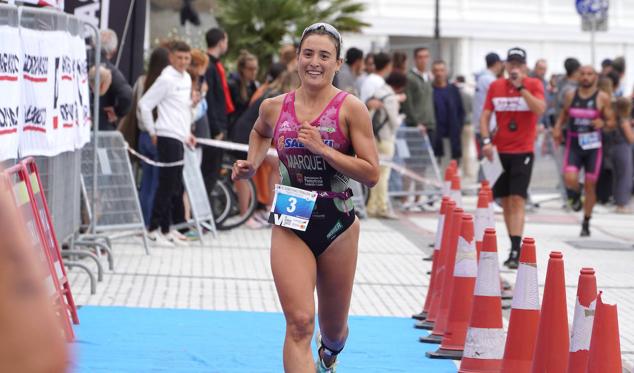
(292, 207)
(589, 140)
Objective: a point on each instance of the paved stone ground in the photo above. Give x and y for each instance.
(232, 272)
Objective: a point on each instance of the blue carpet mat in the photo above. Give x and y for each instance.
(138, 340)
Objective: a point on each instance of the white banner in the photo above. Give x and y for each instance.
(55, 98)
(10, 81)
(84, 120)
(64, 97)
(38, 90)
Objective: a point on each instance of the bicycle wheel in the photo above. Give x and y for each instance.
(220, 201)
(236, 218)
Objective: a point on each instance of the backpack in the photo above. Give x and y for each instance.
(380, 117)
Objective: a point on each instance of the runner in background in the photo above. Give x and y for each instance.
(315, 155)
(517, 102)
(586, 112)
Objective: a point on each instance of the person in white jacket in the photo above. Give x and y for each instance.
(386, 121)
(171, 93)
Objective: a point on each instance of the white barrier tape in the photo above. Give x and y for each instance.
(404, 171)
(228, 145)
(439, 229)
(466, 259)
(150, 161)
(526, 292)
(582, 327)
(488, 281)
(484, 344)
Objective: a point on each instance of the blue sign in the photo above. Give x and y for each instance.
(587, 7)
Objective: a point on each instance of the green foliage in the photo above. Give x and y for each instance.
(262, 26)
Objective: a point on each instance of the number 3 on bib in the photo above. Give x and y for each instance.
(292, 207)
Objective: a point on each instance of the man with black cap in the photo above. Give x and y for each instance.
(494, 70)
(517, 102)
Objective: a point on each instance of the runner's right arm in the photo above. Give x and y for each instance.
(259, 142)
(563, 116)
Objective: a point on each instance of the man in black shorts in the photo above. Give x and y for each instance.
(518, 102)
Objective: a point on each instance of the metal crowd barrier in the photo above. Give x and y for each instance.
(202, 214)
(413, 150)
(114, 206)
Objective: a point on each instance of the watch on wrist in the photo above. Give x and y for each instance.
(520, 88)
(486, 140)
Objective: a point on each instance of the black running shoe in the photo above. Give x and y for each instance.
(575, 204)
(585, 230)
(513, 261)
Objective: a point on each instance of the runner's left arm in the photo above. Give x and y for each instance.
(364, 167)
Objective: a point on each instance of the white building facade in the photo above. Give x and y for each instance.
(469, 29)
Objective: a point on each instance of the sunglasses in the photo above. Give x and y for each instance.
(322, 26)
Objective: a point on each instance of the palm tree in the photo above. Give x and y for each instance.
(262, 26)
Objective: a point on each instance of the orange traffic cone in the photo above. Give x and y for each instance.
(455, 193)
(582, 322)
(439, 281)
(605, 346)
(551, 350)
(445, 295)
(522, 331)
(483, 350)
(482, 220)
(434, 265)
(464, 279)
(446, 186)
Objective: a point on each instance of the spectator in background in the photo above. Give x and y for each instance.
(347, 77)
(171, 93)
(385, 122)
(375, 80)
(368, 65)
(399, 62)
(539, 73)
(243, 85)
(159, 60)
(621, 155)
(494, 70)
(419, 106)
(569, 83)
(618, 67)
(469, 166)
(368, 68)
(449, 111)
(219, 104)
(117, 100)
(606, 66)
(422, 57)
(196, 70)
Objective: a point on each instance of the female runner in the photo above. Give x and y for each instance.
(323, 137)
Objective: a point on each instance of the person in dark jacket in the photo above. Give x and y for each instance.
(117, 100)
(242, 86)
(449, 112)
(219, 104)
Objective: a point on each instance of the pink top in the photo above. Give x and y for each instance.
(298, 166)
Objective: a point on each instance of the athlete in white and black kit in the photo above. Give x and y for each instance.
(586, 112)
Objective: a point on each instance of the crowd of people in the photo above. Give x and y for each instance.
(191, 87)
